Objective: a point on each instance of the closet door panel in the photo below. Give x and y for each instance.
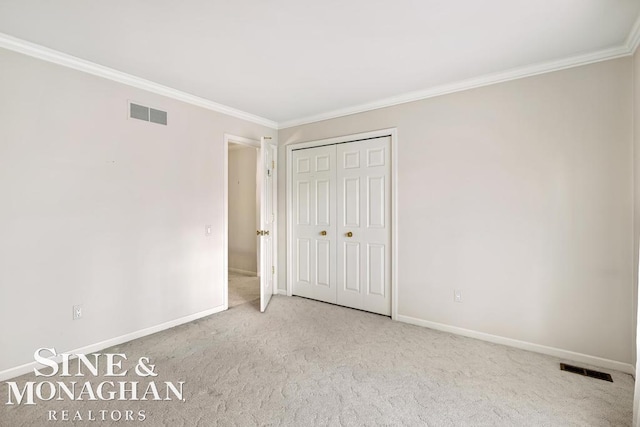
(323, 202)
(303, 261)
(302, 202)
(375, 269)
(324, 255)
(351, 202)
(314, 223)
(376, 196)
(364, 209)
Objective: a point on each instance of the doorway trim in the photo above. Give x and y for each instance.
(228, 138)
(391, 132)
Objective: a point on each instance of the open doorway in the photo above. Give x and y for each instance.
(243, 216)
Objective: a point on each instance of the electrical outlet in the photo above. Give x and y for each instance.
(457, 295)
(77, 312)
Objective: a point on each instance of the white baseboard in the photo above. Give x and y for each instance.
(245, 272)
(524, 345)
(93, 348)
(282, 292)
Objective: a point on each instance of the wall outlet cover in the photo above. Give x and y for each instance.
(77, 312)
(457, 295)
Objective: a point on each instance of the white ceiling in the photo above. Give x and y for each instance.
(289, 59)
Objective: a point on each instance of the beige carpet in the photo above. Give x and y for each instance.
(306, 363)
(243, 288)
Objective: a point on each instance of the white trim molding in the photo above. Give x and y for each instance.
(523, 345)
(56, 57)
(93, 348)
(633, 40)
(31, 49)
(393, 133)
(486, 80)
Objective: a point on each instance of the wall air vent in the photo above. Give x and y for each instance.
(157, 116)
(586, 372)
(140, 112)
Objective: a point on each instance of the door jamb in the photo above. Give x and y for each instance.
(393, 133)
(225, 234)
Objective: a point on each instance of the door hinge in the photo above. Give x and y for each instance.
(273, 164)
(273, 270)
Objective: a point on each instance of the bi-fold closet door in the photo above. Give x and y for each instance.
(341, 224)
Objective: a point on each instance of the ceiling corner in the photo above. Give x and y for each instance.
(633, 40)
(50, 55)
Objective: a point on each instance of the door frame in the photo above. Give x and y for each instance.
(228, 138)
(391, 132)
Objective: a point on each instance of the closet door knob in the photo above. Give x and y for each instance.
(323, 233)
(349, 234)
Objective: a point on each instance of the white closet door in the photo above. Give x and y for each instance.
(364, 228)
(314, 222)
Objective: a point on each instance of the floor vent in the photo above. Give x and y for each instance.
(586, 372)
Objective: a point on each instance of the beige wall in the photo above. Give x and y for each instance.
(243, 208)
(520, 195)
(103, 211)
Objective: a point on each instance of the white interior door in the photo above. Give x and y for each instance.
(364, 225)
(268, 206)
(314, 223)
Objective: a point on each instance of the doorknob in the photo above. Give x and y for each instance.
(259, 233)
(266, 232)
(262, 232)
(349, 234)
(323, 233)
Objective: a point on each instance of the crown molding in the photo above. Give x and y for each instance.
(486, 80)
(56, 57)
(50, 55)
(633, 40)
